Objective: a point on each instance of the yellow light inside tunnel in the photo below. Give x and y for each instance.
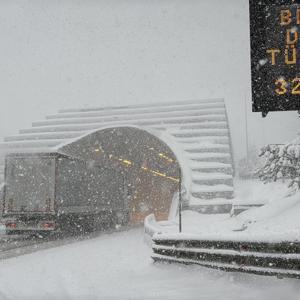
(166, 157)
(173, 178)
(158, 173)
(162, 155)
(127, 162)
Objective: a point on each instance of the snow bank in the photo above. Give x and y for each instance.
(151, 226)
(276, 221)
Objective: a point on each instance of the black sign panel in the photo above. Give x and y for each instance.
(275, 55)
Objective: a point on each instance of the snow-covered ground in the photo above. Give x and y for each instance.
(256, 192)
(277, 220)
(118, 266)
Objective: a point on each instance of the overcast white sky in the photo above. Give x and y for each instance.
(59, 54)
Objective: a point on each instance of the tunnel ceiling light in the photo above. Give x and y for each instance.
(125, 161)
(157, 173)
(166, 157)
(173, 179)
(162, 155)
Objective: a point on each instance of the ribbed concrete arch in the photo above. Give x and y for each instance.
(146, 159)
(199, 127)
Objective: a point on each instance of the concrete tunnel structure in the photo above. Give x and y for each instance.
(149, 144)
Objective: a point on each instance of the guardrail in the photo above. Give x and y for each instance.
(274, 259)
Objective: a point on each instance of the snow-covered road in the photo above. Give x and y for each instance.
(118, 266)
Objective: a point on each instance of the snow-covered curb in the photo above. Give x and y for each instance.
(151, 227)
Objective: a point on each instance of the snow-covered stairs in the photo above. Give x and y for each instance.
(210, 160)
(199, 127)
(211, 157)
(212, 179)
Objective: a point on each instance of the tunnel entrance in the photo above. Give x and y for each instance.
(148, 166)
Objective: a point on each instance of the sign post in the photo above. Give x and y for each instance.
(180, 201)
(275, 55)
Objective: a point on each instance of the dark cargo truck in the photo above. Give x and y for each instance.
(55, 192)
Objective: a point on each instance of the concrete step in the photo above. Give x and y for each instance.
(199, 132)
(214, 108)
(211, 157)
(204, 188)
(213, 195)
(214, 182)
(44, 136)
(202, 140)
(211, 167)
(208, 125)
(170, 122)
(225, 170)
(29, 144)
(212, 206)
(114, 120)
(148, 105)
(194, 148)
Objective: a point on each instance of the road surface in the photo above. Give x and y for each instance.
(118, 266)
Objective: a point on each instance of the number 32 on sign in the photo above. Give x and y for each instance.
(284, 87)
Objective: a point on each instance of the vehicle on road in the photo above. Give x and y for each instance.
(49, 192)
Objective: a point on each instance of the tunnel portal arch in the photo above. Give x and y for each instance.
(150, 167)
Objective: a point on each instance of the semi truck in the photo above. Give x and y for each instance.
(50, 192)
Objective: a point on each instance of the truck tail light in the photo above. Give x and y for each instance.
(48, 225)
(11, 225)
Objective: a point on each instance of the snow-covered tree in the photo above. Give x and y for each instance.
(281, 162)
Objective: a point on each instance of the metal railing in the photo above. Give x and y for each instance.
(273, 259)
